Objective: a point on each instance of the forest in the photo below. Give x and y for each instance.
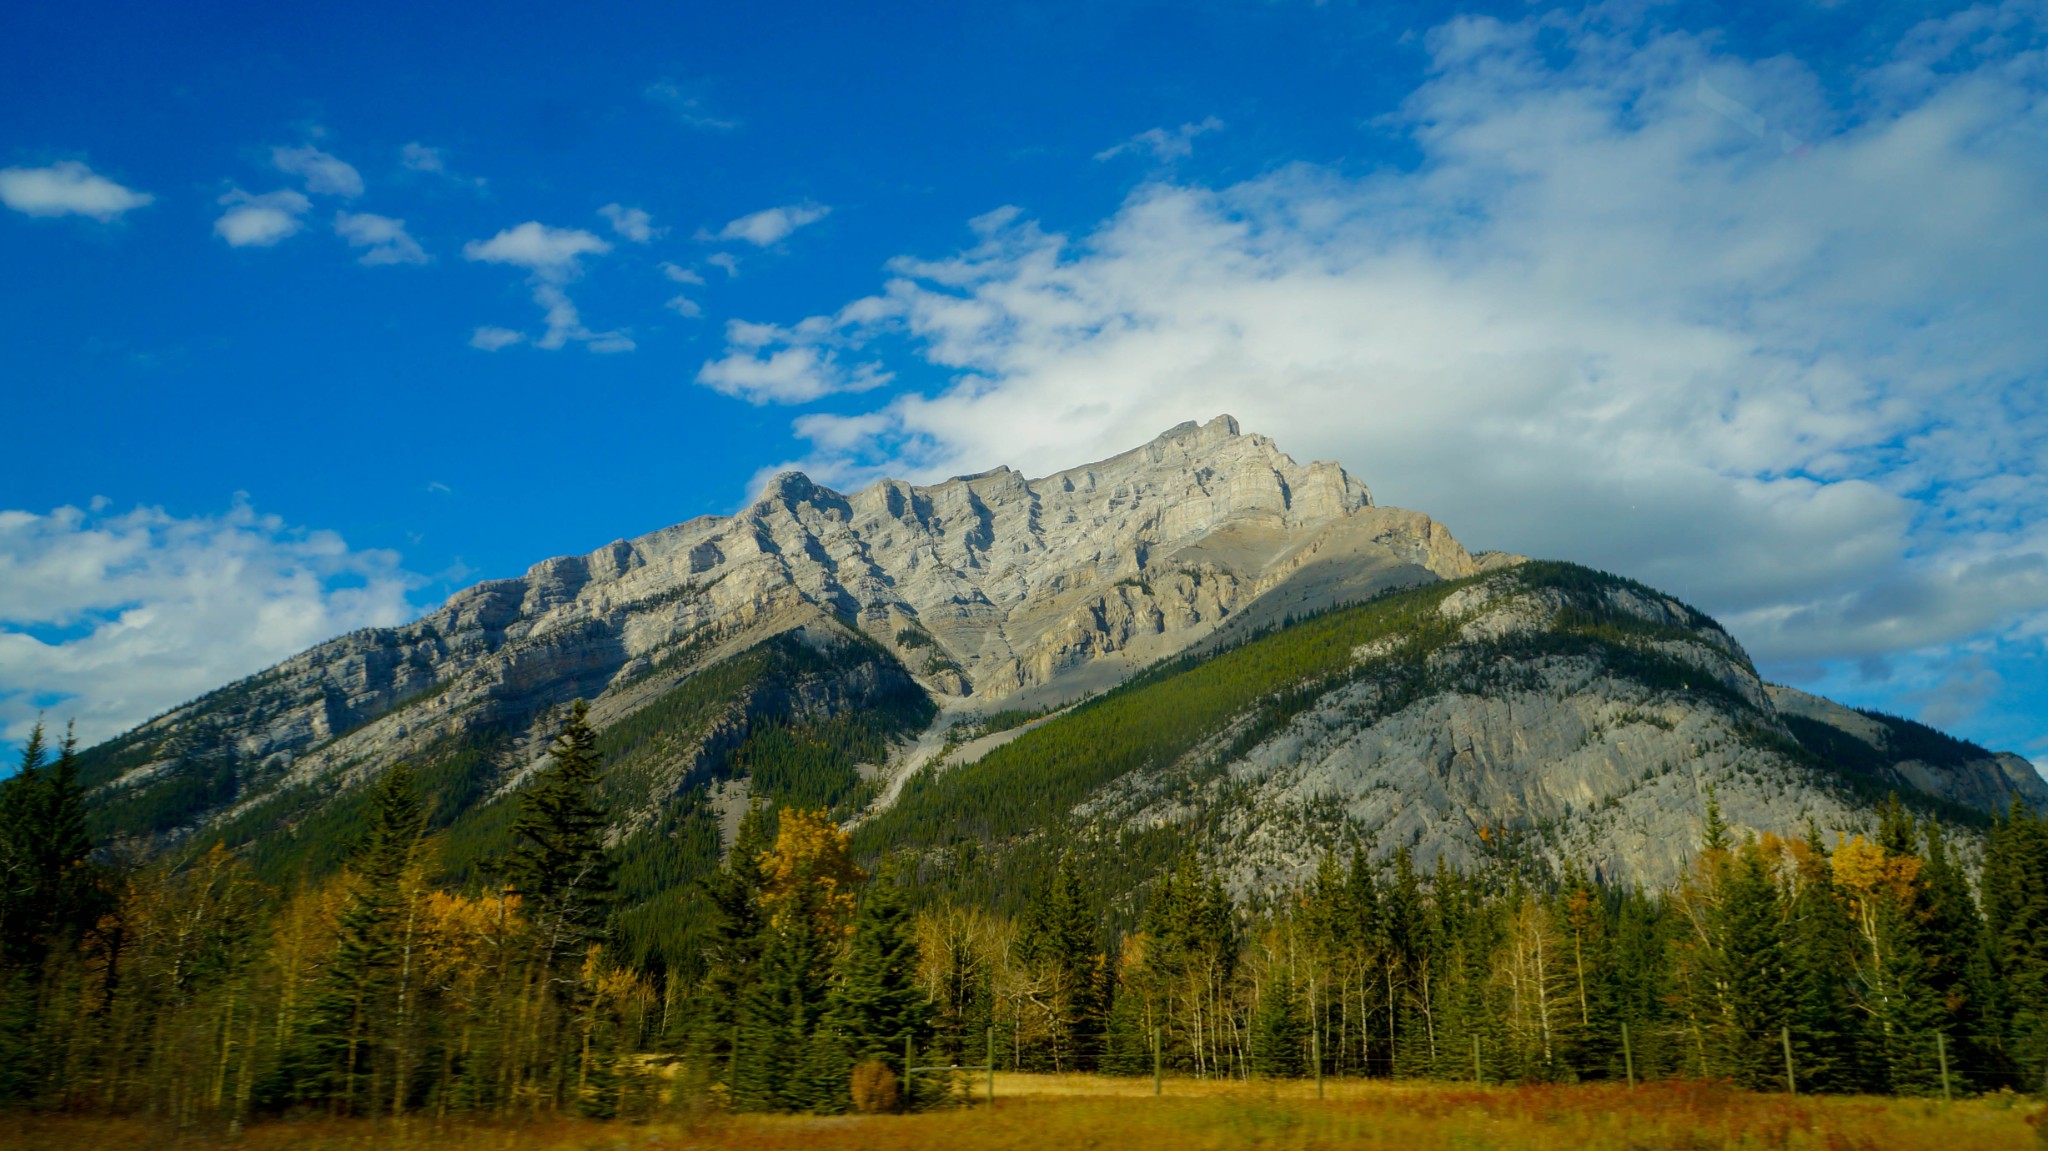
(187, 991)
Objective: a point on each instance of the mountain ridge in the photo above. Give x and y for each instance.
(870, 623)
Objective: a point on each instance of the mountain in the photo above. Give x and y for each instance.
(1199, 641)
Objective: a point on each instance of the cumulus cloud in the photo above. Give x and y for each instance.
(630, 224)
(1599, 318)
(324, 175)
(553, 257)
(113, 618)
(766, 364)
(68, 188)
(1164, 144)
(771, 225)
(549, 253)
(254, 221)
(385, 239)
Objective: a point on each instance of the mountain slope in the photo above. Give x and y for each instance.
(989, 590)
(1545, 711)
(1310, 670)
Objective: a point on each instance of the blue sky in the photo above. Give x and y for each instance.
(316, 314)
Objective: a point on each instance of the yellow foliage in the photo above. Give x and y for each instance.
(1871, 875)
(811, 866)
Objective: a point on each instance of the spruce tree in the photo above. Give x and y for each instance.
(1827, 1035)
(348, 1054)
(733, 949)
(559, 865)
(1279, 1033)
(1746, 963)
(877, 1003)
(21, 901)
(2015, 887)
(1058, 939)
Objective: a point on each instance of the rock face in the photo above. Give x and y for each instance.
(1568, 754)
(994, 590)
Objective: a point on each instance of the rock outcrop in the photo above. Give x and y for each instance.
(994, 590)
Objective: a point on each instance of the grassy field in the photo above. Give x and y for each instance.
(1041, 1111)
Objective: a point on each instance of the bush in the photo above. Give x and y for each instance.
(874, 1087)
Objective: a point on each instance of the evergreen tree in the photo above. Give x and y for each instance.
(1058, 940)
(1745, 964)
(560, 866)
(733, 950)
(348, 1055)
(2016, 913)
(1959, 969)
(1279, 1033)
(877, 1004)
(1827, 1036)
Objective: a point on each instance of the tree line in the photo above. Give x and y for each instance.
(195, 993)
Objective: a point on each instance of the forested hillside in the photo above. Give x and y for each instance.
(1537, 824)
(198, 993)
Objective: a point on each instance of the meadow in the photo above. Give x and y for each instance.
(1085, 1111)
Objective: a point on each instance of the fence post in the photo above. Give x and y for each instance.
(1315, 1050)
(908, 1075)
(1478, 1080)
(1628, 1057)
(991, 1067)
(1156, 1081)
(1941, 1053)
(1791, 1084)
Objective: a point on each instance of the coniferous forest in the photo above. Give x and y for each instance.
(187, 990)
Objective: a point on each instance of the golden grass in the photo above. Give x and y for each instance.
(1078, 1111)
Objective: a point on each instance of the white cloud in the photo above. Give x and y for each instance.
(685, 307)
(1598, 319)
(772, 225)
(553, 257)
(1164, 144)
(765, 364)
(549, 253)
(118, 617)
(386, 238)
(631, 224)
(681, 275)
(324, 175)
(253, 221)
(724, 261)
(68, 188)
(490, 339)
(686, 103)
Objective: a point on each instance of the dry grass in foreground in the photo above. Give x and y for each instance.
(1075, 1111)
